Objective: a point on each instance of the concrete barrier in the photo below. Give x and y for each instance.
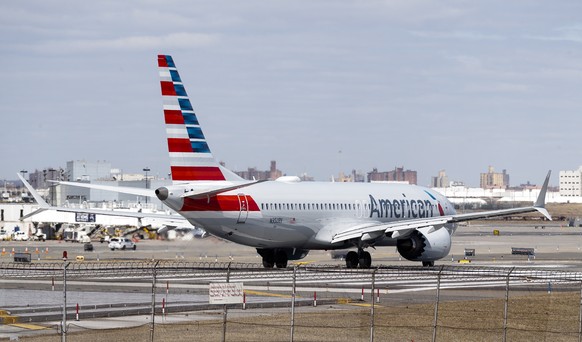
(22, 257)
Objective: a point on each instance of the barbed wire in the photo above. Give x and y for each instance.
(255, 272)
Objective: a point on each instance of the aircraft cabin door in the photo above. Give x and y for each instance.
(244, 208)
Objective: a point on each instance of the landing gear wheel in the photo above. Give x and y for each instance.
(268, 256)
(352, 259)
(365, 260)
(281, 259)
(428, 263)
(268, 263)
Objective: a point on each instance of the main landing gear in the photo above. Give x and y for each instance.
(273, 257)
(360, 258)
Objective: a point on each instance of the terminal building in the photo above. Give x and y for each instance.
(99, 172)
(570, 183)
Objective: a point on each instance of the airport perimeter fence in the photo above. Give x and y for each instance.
(169, 301)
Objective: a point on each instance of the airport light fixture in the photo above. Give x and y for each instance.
(146, 170)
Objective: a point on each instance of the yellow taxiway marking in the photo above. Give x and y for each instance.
(301, 263)
(28, 326)
(259, 293)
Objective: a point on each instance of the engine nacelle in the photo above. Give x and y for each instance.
(425, 244)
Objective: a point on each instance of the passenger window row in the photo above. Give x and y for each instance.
(311, 206)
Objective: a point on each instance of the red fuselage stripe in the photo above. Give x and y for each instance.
(218, 203)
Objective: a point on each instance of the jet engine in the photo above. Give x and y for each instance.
(425, 244)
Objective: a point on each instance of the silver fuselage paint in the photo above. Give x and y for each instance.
(307, 214)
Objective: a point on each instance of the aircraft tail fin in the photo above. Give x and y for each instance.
(190, 157)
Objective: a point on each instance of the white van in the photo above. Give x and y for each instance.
(121, 243)
(19, 236)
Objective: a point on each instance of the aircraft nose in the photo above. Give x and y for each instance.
(162, 193)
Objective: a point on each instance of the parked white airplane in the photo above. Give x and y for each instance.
(285, 218)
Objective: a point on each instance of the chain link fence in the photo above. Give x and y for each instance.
(169, 301)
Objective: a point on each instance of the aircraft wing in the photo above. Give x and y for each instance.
(402, 228)
(399, 228)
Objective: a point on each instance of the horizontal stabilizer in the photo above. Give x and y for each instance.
(43, 205)
(201, 193)
(121, 189)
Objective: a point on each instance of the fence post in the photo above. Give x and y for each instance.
(505, 309)
(372, 306)
(152, 323)
(225, 308)
(64, 322)
(580, 317)
(293, 302)
(436, 305)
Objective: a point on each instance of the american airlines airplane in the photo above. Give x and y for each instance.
(286, 218)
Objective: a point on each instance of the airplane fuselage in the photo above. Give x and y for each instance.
(306, 215)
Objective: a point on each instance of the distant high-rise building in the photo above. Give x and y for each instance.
(398, 175)
(82, 170)
(252, 173)
(440, 181)
(494, 180)
(39, 179)
(570, 183)
(354, 176)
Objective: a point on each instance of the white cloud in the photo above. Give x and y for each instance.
(572, 33)
(134, 43)
(466, 35)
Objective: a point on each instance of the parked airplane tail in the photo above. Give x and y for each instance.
(190, 156)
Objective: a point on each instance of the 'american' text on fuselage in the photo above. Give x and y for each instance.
(386, 208)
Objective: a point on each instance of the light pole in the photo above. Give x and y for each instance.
(23, 172)
(146, 170)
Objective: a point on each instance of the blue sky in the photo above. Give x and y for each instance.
(454, 85)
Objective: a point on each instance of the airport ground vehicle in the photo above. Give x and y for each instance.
(19, 236)
(121, 243)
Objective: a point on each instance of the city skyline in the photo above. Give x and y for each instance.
(272, 172)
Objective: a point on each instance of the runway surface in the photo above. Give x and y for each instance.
(125, 278)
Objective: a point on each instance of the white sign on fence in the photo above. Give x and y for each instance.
(225, 293)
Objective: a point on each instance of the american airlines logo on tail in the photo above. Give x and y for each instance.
(190, 156)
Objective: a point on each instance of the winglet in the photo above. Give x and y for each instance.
(41, 202)
(42, 205)
(540, 204)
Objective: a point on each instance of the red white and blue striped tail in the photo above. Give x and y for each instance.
(190, 156)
